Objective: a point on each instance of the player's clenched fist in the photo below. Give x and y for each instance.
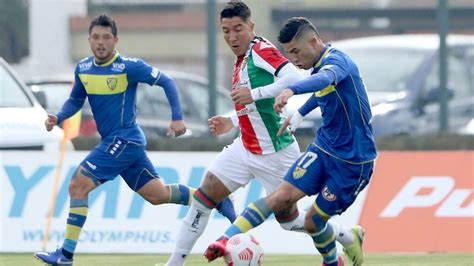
(219, 125)
(241, 95)
(50, 122)
(282, 99)
(177, 128)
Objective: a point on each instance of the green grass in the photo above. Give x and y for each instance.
(439, 259)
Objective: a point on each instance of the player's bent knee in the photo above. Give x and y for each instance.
(157, 199)
(155, 192)
(209, 182)
(80, 188)
(213, 187)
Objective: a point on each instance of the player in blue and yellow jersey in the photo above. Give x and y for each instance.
(109, 81)
(338, 165)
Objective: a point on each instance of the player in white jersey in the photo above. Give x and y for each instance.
(258, 153)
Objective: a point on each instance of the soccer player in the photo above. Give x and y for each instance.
(258, 153)
(338, 165)
(109, 80)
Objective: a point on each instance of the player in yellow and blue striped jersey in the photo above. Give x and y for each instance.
(109, 81)
(338, 165)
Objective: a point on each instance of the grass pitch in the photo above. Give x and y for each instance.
(439, 259)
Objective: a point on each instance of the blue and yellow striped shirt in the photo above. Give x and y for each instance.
(338, 89)
(111, 89)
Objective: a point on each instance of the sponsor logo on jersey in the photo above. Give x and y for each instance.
(85, 66)
(243, 83)
(112, 83)
(132, 59)
(118, 67)
(298, 172)
(245, 111)
(327, 194)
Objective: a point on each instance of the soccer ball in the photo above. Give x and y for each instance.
(243, 250)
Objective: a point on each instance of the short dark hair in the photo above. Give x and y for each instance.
(104, 21)
(236, 9)
(294, 28)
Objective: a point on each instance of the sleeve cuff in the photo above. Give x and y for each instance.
(294, 90)
(235, 119)
(176, 117)
(301, 112)
(256, 94)
(60, 119)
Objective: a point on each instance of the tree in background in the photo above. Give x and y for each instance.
(13, 30)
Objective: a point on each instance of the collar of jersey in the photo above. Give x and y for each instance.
(323, 54)
(108, 62)
(251, 44)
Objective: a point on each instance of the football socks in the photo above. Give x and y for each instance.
(192, 227)
(255, 214)
(77, 217)
(325, 238)
(181, 194)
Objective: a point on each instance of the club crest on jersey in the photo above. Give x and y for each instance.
(327, 194)
(112, 83)
(298, 172)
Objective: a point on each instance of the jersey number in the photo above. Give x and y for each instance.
(307, 159)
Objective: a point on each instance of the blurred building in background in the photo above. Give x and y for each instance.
(172, 33)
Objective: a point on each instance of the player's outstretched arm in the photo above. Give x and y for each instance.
(314, 83)
(288, 75)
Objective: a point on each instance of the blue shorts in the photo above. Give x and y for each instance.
(336, 182)
(120, 157)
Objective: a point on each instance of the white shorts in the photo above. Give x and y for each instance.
(235, 166)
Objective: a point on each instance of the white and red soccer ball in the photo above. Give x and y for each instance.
(243, 250)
